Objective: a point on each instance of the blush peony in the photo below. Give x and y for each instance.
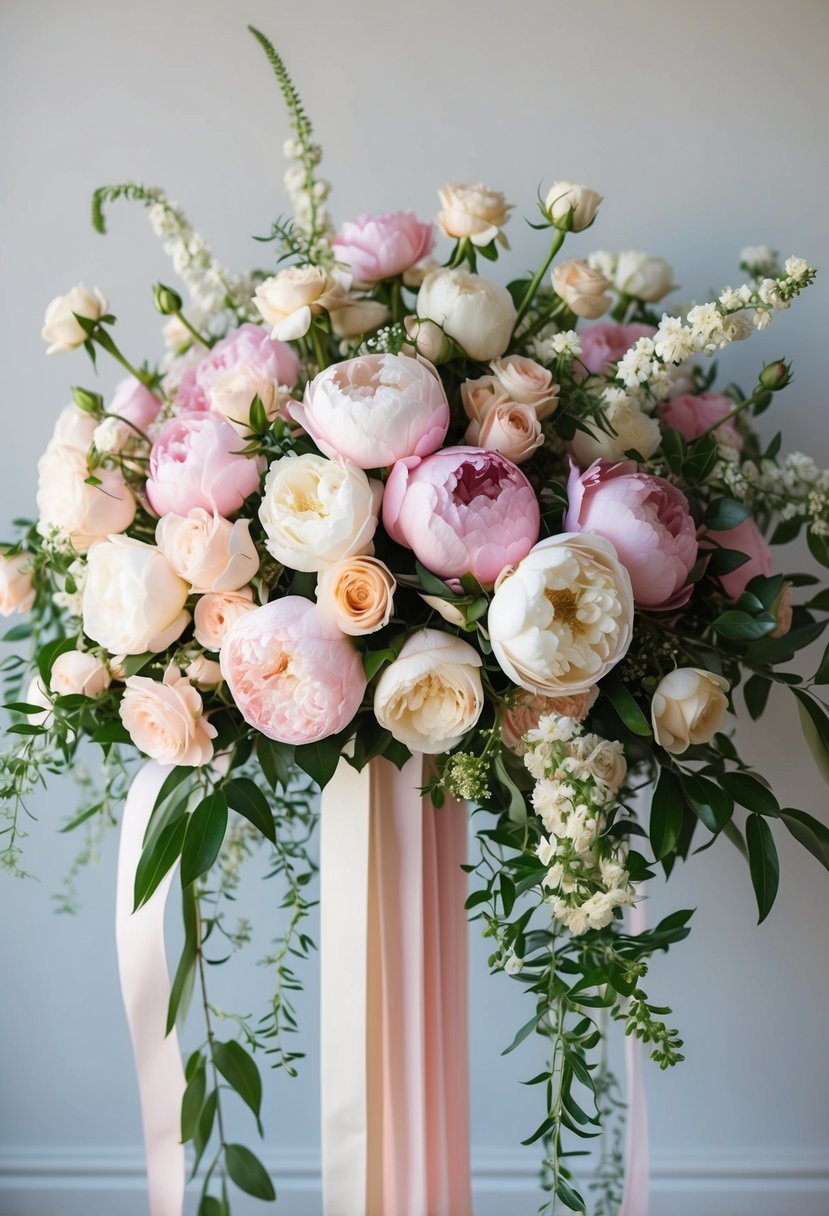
(376, 247)
(604, 345)
(196, 462)
(246, 362)
(693, 415)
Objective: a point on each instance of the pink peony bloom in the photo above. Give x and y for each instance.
(134, 402)
(248, 348)
(375, 410)
(376, 247)
(195, 462)
(462, 510)
(294, 676)
(691, 416)
(646, 519)
(604, 344)
(745, 538)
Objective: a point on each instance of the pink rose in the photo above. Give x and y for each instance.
(134, 402)
(295, 677)
(195, 462)
(648, 522)
(602, 345)
(376, 247)
(510, 428)
(248, 349)
(692, 416)
(745, 538)
(375, 410)
(165, 720)
(217, 612)
(462, 510)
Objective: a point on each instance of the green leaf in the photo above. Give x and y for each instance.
(524, 1033)
(738, 626)
(47, 655)
(277, 761)
(818, 547)
(763, 863)
(247, 800)
(111, 732)
(248, 1172)
(809, 832)
(192, 1103)
(373, 660)
(517, 808)
(750, 793)
(204, 1128)
(240, 1071)
(756, 693)
(712, 804)
(211, 1206)
(724, 561)
(822, 673)
(569, 1196)
(157, 859)
(723, 514)
(182, 987)
(815, 727)
(627, 709)
(666, 814)
(319, 760)
(432, 585)
(203, 838)
(673, 448)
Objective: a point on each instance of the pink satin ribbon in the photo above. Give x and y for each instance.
(635, 1198)
(145, 987)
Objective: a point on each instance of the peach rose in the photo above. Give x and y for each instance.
(476, 213)
(356, 595)
(216, 612)
(208, 552)
(16, 591)
(77, 673)
(509, 428)
(166, 721)
(479, 396)
(204, 672)
(524, 714)
(527, 382)
(289, 300)
(583, 290)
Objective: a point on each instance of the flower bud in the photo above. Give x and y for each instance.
(429, 339)
(167, 301)
(776, 376)
(89, 402)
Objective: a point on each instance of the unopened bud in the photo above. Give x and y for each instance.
(429, 339)
(167, 301)
(89, 402)
(775, 376)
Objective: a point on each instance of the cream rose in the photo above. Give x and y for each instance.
(571, 206)
(60, 328)
(166, 720)
(582, 289)
(232, 394)
(316, 511)
(69, 505)
(431, 695)
(641, 276)
(216, 613)
(527, 382)
(564, 617)
(356, 595)
(17, 593)
(290, 299)
(208, 552)
(474, 213)
(359, 316)
(204, 672)
(688, 707)
(36, 694)
(77, 673)
(133, 600)
(478, 314)
(480, 396)
(509, 428)
(634, 430)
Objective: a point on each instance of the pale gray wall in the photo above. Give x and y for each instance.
(704, 125)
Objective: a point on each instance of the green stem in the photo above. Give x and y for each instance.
(209, 1027)
(529, 295)
(191, 329)
(106, 343)
(316, 342)
(620, 311)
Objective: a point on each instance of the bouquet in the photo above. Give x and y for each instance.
(373, 502)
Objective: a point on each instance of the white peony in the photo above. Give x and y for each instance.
(477, 313)
(133, 600)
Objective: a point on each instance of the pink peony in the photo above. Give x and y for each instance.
(745, 538)
(376, 247)
(646, 519)
(602, 345)
(248, 348)
(195, 462)
(134, 402)
(375, 410)
(462, 510)
(294, 677)
(691, 416)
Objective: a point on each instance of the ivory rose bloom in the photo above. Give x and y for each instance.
(356, 595)
(166, 721)
(431, 695)
(359, 316)
(60, 329)
(527, 382)
(692, 415)
(69, 505)
(289, 300)
(688, 707)
(196, 462)
(563, 618)
(208, 552)
(204, 672)
(523, 715)
(375, 409)
(462, 510)
(293, 676)
(642, 277)
(133, 600)
(244, 364)
(316, 511)
(633, 431)
(17, 593)
(745, 538)
(603, 345)
(217, 612)
(571, 206)
(508, 428)
(583, 290)
(76, 673)
(478, 314)
(475, 213)
(646, 519)
(376, 247)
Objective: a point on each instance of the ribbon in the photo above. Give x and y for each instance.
(145, 988)
(635, 1198)
(395, 1108)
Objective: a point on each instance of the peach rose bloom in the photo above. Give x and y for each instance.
(473, 212)
(217, 612)
(527, 382)
(356, 595)
(16, 591)
(207, 551)
(582, 289)
(204, 672)
(166, 721)
(289, 300)
(509, 428)
(77, 673)
(480, 396)
(524, 714)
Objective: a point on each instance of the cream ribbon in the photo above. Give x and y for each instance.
(145, 987)
(635, 1197)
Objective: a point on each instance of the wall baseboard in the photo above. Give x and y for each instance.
(68, 1181)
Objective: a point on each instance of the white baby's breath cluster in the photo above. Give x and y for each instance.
(577, 777)
(797, 487)
(565, 344)
(760, 261)
(71, 597)
(212, 287)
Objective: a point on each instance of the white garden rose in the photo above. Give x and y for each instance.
(289, 300)
(208, 551)
(60, 328)
(642, 277)
(571, 206)
(204, 672)
(17, 593)
(688, 707)
(316, 511)
(475, 213)
(634, 431)
(76, 673)
(582, 289)
(431, 695)
(69, 505)
(74, 428)
(563, 618)
(477, 313)
(133, 600)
